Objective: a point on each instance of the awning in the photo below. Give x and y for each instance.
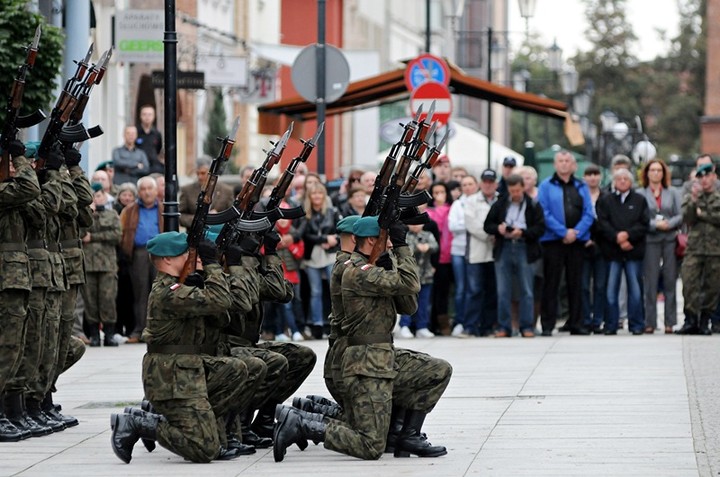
(390, 87)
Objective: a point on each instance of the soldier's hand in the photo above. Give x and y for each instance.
(397, 233)
(271, 241)
(384, 261)
(72, 157)
(54, 160)
(207, 252)
(16, 148)
(249, 244)
(233, 255)
(195, 280)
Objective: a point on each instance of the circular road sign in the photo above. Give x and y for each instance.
(337, 73)
(425, 94)
(426, 68)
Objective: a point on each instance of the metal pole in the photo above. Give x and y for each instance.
(77, 27)
(170, 213)
(320, 75)
(489, 103)
(427, 26)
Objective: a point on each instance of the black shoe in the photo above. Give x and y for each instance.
(252, 439)
(234, 452)
(94, 341)
(54, 413)
(264, 421)
(8, 432)
(609, 332)
(241, 448)
(564, 328)
(637, 332)
(148, 443)
(127, 429)
(580, 331)
(715, 328)
(546, 333)
(598, 330)
(412, 441)
(292, 427)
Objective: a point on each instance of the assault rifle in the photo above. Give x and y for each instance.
(61, 115)
(13, 122)
(247, 198)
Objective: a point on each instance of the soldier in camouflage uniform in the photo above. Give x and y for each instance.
(15, 284)
(288, 364)
(372, 295)
(101, 283)
(182, 378)
(701, 266)
(35, 214)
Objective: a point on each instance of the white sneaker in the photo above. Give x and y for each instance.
(406, 333)
(282, 337)
(424, 333)
(297, 336)
(458, 330)
(119, 339)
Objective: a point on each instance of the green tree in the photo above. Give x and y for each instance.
(217, 123)
(17, 27)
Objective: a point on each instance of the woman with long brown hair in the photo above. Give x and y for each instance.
(665, 219)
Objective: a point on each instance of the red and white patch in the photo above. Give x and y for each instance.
(367, 266)
(175, 287)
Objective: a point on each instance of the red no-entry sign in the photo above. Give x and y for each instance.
(425, 94)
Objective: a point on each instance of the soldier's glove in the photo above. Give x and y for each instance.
(16, 148)
(72, 157)
(54, 160)
(412, 216)
(397, 232)
(233, 255)
(207, 252)
(195, 280)
(384, 261)
(249, 245)
(271, 241)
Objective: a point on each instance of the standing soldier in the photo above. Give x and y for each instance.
(15, 283)
(701, 266)
(100, 288)
(183, 379)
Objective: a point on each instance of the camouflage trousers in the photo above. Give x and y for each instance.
(332, 370)
(67, 318)
(42, 381)
(13, 310)
(363, 433)
(701, 283)
(98, 293)
(301, 361)
(421, 380)
(274, 367)
(191, 430)
(76, 350)
(32, 343)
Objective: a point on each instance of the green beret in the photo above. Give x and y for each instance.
(168, 244)
(345, 226)
(704, 170)
(104, 165)
(31, 149)
(367, 227)
(96, 186)
(212, 231)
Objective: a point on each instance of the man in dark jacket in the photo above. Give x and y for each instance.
(623, 223)
(517, 224)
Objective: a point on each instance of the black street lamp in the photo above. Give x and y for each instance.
(527, 11)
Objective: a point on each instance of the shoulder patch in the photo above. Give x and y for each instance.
(367, 266)
(347, 262)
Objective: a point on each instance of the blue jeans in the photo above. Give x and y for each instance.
(594, 289)
(513, 265)
(421, 317)
(459, 266)
(633, 276)
(292, 308)
(481, 298)
(316, 292)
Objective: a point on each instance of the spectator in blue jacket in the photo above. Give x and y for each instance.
(569, 214)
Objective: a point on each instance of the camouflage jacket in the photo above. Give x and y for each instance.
(338, 312)
(176, 317)
(425, 268)
(67, 208)
(101, 251)
(15, 193)
(37, 213)
(703, 217)
(77, 192)
(372, 298)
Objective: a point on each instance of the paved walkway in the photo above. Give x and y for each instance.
(596, 405)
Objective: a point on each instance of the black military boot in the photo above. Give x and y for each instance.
(412, 441)
(53, 411)
(690, 327)
(94, 337)
(148, 443)
(397, 418)
(292, 427)
(8, 432)
(33, 409)
(334, 411)
(15, 412)
(128, 429)
(321, 400)
(264, 421)
(248, 436)
(704, 325)
(109, 339)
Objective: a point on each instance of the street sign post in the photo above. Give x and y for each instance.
(425, 94)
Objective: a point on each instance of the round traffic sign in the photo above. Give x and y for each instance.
(425, 94)
(337, 73)
(426, 68)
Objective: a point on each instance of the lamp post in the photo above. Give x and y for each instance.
(527, 11)
(494, 59)
(520, 83)
(581, 106)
